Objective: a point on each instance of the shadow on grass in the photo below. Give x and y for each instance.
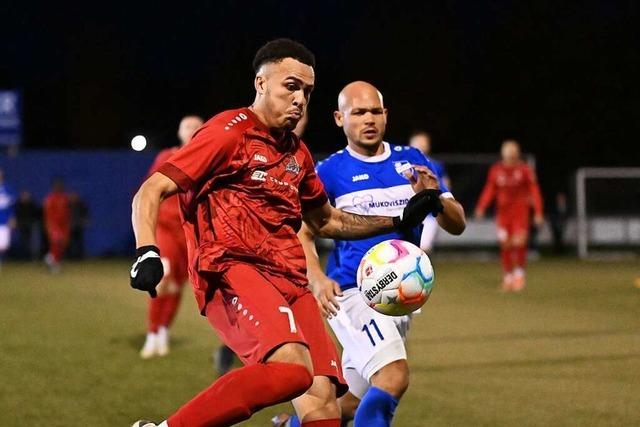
(524, 336)
(527, 363)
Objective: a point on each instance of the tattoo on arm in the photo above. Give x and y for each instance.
(346, 226)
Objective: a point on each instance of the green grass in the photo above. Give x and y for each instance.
(566, 352)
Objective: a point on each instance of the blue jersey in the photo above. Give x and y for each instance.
(7, 200)
(368, 186)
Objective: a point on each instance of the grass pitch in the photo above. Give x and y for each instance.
(566, 352)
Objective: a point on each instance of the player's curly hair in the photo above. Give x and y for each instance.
(279, 49)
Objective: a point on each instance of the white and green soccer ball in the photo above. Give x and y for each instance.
(395, 277)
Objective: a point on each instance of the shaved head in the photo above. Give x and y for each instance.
(362, 116)
(510, 151)
(357, 89)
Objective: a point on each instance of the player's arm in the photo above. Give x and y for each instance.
(487, 195)
(536, 198)
(327, 221)
(324, 289)
(147, 270)
(451, 219)
(145, 207)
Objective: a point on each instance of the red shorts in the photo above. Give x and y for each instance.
(256, 312)
(512, 221)
(173, 251)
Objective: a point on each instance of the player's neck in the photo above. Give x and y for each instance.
(276, 133)
(372, 151)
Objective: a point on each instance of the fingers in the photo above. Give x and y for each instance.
(424, 170)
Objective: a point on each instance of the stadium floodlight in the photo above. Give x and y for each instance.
(138, 142)
(584, 230)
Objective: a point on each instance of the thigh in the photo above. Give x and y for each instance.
(252, 317)
(372, 340)
(324, 354)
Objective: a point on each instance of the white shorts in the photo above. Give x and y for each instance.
(370, 340)
(5, 237)
(429, 232)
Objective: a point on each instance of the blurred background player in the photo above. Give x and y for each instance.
(368, 173)
(421, 140)
(57, 220)
(173, 247)
(514, 186)
(7, 219)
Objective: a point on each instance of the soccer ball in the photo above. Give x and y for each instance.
(395, 277)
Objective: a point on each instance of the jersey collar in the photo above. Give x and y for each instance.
(371, 159)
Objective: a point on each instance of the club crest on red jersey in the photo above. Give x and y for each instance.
(292, 166)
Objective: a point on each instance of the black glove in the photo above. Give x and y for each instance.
(147, 271)
(419, 206)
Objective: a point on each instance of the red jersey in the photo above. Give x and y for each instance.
(512, 186)
(57, 215)
(169, 211)
(242, 198)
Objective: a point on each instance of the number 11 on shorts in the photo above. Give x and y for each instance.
(292, 322)
(365, 328)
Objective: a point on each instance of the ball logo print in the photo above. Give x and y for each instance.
(395, 277)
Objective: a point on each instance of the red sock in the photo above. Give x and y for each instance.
(507, 259)
(169, 309)
(520, 254)
(156, 306)
(322, 423)
(235, 396)
(57, 250)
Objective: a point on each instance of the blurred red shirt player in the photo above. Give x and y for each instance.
(173, 247)
(513, 185)
(57, 222)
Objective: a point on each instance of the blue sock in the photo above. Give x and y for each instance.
(293, 421)
(376, 409)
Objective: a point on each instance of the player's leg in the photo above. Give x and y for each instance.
(519, 244)
(503, 222)
(429, 230)
(318, 406)
(377, 352)
(255, 320)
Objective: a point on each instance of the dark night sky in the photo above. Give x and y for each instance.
(563, 78)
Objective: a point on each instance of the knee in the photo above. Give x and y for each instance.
(319, 401)
(393, 378)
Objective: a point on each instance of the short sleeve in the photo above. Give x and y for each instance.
(312, 193)
(210, 151)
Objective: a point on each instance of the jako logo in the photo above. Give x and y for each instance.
(360, 177)
(259, 176)
(260, 158)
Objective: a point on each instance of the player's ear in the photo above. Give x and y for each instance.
(337, 116)
(260, 84)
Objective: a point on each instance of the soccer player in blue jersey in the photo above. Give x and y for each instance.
(7, 220)
(372, 177)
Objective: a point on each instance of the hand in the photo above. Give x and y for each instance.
(419, 206)
(538, 220)
(325, 290)
(478, 214)
(147, 271)
(422, 178)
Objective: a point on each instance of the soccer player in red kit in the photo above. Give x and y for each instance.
(173, 247)
(57, 222)
(246, 182)
(513, 184)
